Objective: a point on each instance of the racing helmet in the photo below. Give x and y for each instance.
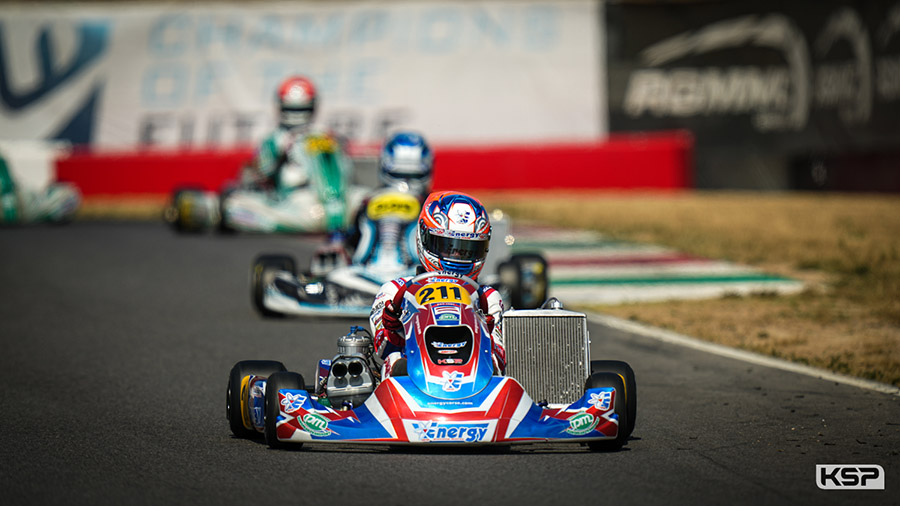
(454, 233)
(296, 99)
(406, 159)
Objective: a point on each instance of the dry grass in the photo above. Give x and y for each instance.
(847, 247)
(122, 207)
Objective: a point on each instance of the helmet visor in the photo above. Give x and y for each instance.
(455, 248)
(296, 116)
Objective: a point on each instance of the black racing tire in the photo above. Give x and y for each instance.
(603, 380)
(276, 382)
(223, 227)
(260, 275)
(234, 396)
(173, 214)
(524, 277)
(627, 374)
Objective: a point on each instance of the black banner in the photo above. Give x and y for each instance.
(773, 91)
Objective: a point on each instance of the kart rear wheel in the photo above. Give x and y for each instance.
(264, 268)
(524, 278)
(611, 380)
(276, 382)
(223, 227)
(181, 213)
(627, 374)
(234, 398)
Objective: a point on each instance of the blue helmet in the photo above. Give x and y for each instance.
(407, 161)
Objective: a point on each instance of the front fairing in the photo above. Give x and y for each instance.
(448, 348)
(398, 412)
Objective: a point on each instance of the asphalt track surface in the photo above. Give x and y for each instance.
(117, 342)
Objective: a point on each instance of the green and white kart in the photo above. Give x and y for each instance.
(313, 194)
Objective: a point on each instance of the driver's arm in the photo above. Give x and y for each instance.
(492, 306)
(384, 318)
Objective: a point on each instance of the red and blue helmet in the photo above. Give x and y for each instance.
(454, 234)
(296, 97)
(407, 161)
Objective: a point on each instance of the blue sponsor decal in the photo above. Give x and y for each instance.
(601, 400)
(438, 344)
(450, 432)
(452, 381)
(292, 401)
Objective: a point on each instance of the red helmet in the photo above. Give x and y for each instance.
(297, 102)
(454, 233)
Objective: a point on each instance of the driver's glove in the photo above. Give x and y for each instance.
(391, 325)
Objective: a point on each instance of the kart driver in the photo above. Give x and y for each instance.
(298, 180)
(385, 226)
(453, 236)
(296, 101)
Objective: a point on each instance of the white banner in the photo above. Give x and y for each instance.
(135, 75)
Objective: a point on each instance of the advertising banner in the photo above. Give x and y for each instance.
(177, 76)
(760, 84)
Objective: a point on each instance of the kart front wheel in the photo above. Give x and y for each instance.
(276, 382)
(262, 273)
(524, 278)
(235, 398)
(611, 380)
(627, 374)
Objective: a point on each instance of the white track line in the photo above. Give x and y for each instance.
(743, 355)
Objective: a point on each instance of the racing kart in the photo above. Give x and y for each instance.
(445, 390)
(57, 202)
(332, 288)
(313, 194)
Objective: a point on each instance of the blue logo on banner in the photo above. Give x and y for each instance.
(93, 40)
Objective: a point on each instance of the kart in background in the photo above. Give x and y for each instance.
(314, 195)
(332, 288)
(57, 202)
(445, 390)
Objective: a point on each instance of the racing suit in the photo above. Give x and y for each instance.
(264, 170)
(388, 331)
(384, 235)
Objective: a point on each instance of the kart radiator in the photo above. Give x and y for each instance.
(548, 352)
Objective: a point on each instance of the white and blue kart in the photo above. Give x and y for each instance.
(277, 289)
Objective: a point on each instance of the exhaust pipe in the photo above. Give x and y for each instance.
(339, 370)
(355, 368)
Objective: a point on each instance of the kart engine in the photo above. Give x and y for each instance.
(350, 381)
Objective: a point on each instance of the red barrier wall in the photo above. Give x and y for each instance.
(150, 172)
(634, 161)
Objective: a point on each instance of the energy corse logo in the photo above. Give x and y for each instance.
(450, 432)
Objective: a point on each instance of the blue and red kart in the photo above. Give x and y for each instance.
(444, 391)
